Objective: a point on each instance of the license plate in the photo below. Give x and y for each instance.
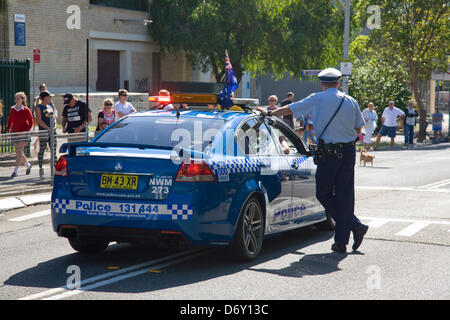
(119, 181)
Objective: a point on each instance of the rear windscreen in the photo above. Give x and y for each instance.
(163, 132)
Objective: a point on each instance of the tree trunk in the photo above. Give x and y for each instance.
(422, 110)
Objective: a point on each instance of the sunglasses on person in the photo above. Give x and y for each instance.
(108, 104)
(124, 95)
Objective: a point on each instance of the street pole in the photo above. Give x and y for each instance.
(34, 96)
(52, 147)
(346, 41)
(87, 90)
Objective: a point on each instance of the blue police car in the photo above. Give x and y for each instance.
(193, 176)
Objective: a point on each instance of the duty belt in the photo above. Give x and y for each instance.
(334, 149)
(339, 145)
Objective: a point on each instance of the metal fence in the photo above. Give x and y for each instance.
(47, 145)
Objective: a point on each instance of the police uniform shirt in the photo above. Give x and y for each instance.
(322, 106)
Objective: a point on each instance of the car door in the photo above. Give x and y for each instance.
(255, 140)
(304, 205)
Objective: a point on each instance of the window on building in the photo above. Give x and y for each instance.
(140, 5)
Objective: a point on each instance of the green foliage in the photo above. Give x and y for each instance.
(203, 30)
(300, 35)
(375, 79)
(261, 36)
(414, 37)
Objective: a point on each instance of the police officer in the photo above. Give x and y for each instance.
(335, 177)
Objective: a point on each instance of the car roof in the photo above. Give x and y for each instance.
(197, 113)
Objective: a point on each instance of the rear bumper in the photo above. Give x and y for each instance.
(156, 222)
(133, 235)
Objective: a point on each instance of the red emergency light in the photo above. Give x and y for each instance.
(160, 99)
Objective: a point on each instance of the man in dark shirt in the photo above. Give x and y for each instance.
(45, 110)
(76, 115)
(288, 118)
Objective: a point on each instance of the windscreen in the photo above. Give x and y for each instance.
(165, 132)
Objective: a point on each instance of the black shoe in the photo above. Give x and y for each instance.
(358, 236)
(339, 248)
(29, 170)
(13, 175)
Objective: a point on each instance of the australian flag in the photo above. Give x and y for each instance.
(231, 84)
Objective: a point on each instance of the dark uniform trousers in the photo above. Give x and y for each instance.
(335, 189)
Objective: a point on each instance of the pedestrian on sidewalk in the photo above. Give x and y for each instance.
(76, 116)
(20, 120)
(37, 101)
(309, 130)
(437, 118)
(123, 107)
(389, 119)
(164, 104)
(288, 118)
(371, 118)
(44, 112)
(273, 100)
(411, 115)
(106, 116)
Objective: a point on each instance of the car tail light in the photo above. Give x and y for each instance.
(195, 172)
(61, 167)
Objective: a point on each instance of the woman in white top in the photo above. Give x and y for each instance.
(370, 116)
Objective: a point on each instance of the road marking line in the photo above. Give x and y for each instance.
(123, 277)
(412, 229)
(407, 220)
(440, 185)
(31, 216)
(420, 189)
(112, 274)
(376, 223)
(432, 185)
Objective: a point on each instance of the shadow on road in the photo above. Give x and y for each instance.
(52, 273)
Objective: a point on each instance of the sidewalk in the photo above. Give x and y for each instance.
(12, 203)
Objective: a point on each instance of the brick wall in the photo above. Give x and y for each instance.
(63, 51)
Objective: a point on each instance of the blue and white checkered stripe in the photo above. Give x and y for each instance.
(60, 205)
(156, 212)
(250, 164)
(180, 212)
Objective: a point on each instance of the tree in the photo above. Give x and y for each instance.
(415, 36)
(203, 30)
(375, 79)
(261, 36)
(299, 35)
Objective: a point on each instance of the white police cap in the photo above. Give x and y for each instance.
(330, 75)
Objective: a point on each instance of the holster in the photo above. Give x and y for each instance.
(318, 152)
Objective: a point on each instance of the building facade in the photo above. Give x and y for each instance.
(122, 53)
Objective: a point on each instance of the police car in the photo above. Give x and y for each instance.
(196, 176)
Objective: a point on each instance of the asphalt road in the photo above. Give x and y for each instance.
(405, 198)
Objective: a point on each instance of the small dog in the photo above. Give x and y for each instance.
(366, 157)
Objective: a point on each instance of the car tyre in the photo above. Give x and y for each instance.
(327, 225)
(249, 233)
(83, 245)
